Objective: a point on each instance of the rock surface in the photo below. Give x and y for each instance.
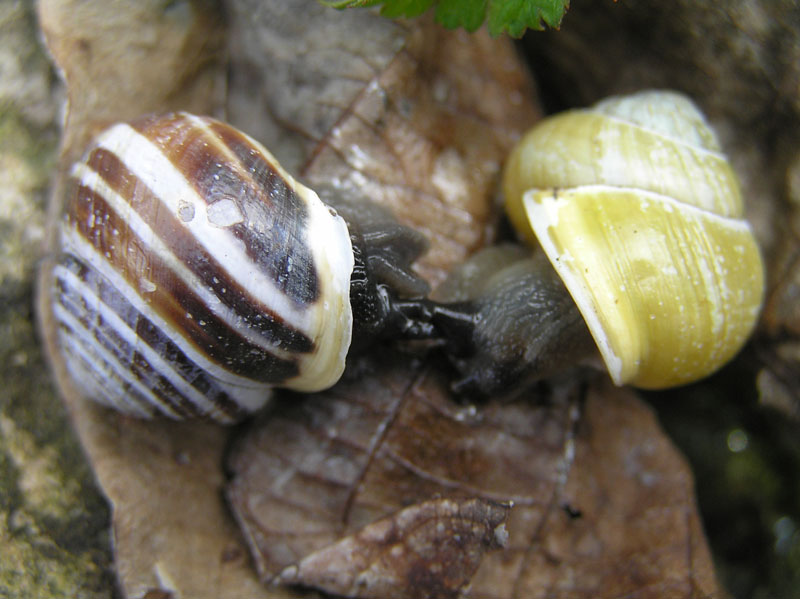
(54, 535)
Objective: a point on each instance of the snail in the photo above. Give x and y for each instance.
(646, 256)
(194, 274)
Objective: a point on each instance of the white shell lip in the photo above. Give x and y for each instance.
(541, 216)
(332, 325)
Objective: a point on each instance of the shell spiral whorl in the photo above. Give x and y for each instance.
(194, 273)
(641, 215)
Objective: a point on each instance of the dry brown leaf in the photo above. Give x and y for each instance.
(122, 59)
(432, 124)
(171, 530)
(627, 523)
(603, 505)
(410, 116)
(429, 550)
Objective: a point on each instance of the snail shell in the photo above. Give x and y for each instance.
(195, 274)
(641, 215)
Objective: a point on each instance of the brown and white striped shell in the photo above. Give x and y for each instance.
(195, 274)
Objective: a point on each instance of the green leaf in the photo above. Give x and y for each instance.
(512, 17)
(390, 8)
(468, 14)
(405, 8)
(515, 16)
(341, 4)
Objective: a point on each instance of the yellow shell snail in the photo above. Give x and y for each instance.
(640, 216)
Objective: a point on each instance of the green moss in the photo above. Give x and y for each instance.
(36, 146)
(54, 527)
(25, 570)
(54, 523)
(745, 458)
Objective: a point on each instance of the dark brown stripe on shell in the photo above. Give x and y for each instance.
(126, 356)
(112, 383)
(190, 252)
(276, 218)
(178, 406)
(172, 299)
(104, 336)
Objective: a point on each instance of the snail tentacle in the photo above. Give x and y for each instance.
(521, 327)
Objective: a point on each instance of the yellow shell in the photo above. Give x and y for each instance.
(641, 215)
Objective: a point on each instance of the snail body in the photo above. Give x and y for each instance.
(195, 274)
(640, 215)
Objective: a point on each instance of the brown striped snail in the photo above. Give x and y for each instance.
(639, 215)
(194, 273)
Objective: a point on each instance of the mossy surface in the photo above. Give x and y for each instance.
(745, 458)
(54, 539)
